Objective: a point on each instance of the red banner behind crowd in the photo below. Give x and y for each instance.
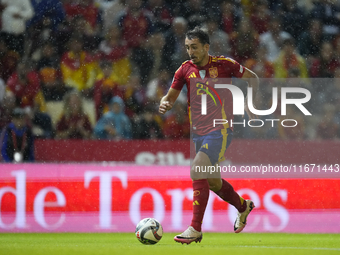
(163, 152)
(77, 198)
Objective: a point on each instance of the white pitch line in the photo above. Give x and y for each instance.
(301, 248)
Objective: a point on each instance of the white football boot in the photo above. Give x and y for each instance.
(188, 236)
(241, 220)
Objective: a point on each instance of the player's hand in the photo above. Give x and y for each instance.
(164, 107)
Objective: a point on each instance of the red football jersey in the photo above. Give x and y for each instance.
(200, 80)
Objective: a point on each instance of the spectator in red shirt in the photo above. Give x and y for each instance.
(86, 9)
(24, 84)
(260, 64)
(244, 42)
(177, 125)
(229, 17)
(261, 17)
(85, 21)
(136, 26)
(325, 64)
(74, 123)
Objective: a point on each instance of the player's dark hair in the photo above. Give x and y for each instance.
(198, 33)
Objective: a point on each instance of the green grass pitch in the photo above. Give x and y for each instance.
(126, 244)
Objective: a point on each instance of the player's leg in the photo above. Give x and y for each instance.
(200, 185)
(200, 199)
(226, 191)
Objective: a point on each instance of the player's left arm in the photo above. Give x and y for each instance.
(253, 81)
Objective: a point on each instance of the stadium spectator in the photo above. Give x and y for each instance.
(134, 95)
(18, 145)
(336, 45)
(86, 9)
(13, 19)
(273, 39)
(230, 16)
(219, 44)
(78, 68)
(113, 49)
(147, 126)
(334, 92)
(327, 127)
(260, 64)
(43, 27)
(136, 26)
(174, 49)
(7, 106)
(114, 124)
(193, 13)
(161, 13)
(158, 86)
(309, 41)
(260, 17)
(8, 61)
(328, 12)
(24, 84)
(292, 133)
(325, 64)
(112, 11)
(155, 55)
(2, 90)
(244, 42)
(74, 122)
(52, 10)
(48, 67)
(334, 95)
(288, 59)
(293, 17)
(105, 89)
(177, 125)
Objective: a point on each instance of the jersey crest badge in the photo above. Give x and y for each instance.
(213, 72)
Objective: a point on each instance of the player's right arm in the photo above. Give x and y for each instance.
(177, 84)
(168, 100)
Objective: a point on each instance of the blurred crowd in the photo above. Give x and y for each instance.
(97, 69)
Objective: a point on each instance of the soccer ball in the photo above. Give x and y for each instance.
(149, 231)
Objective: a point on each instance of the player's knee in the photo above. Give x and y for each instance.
(215, 184)
(196, 173)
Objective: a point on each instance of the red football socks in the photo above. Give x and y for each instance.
(200, 200)
(228, 194)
